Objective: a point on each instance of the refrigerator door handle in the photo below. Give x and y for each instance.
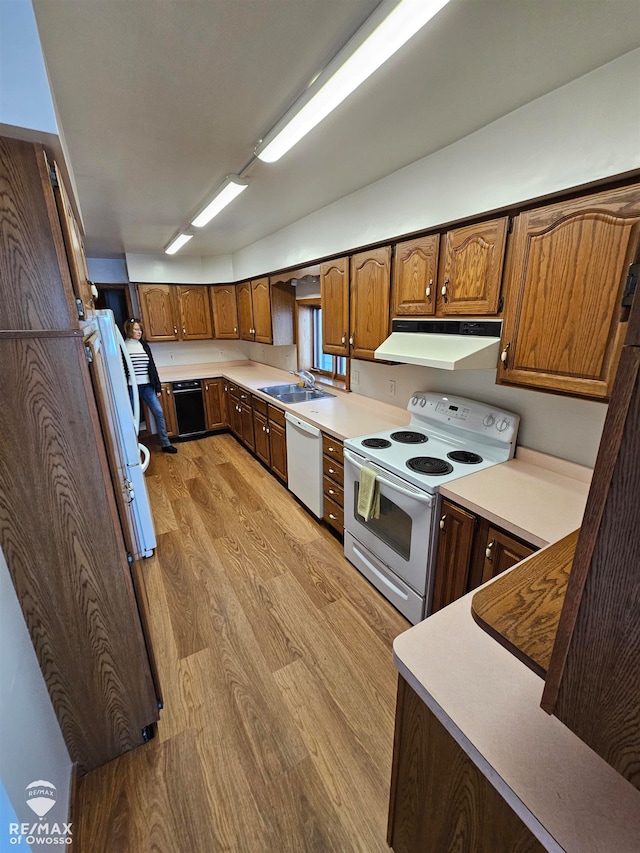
(127, 358)
(146, 457)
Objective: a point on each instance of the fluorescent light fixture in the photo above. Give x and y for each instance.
(347, 71)
(177, 243)
(231, 187)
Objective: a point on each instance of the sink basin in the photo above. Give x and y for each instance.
(292, 393)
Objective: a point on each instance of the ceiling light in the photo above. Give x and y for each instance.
(351, 67)
(230, 188)
(177, 243)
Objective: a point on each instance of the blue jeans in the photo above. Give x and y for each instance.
(148, 396)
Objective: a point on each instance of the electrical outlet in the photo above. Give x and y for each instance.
(172, 356)
(392, 387)
(355, 377)
(221, 353)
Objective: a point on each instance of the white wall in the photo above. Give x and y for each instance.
(31, 746)
(108, 270)
(154, 269)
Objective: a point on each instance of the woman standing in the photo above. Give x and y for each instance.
(146, 378)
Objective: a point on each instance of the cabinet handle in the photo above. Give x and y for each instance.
(503, 355)
(168, 390)
(206, 387)
(184, 331)
(487, 551)
(332, 517)
(331, 471)
(351, 339)
(235, 328)
(243, 396)
(428, 290)
(268, 430)
(332, 449)
(442, 522)
(331, 492)
(444, 290)
(175, 330)
(344, 338)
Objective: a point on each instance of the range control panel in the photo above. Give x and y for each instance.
(468, 415)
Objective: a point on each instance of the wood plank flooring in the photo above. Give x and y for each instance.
(274, 658)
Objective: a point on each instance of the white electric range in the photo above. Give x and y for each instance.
(448, 437)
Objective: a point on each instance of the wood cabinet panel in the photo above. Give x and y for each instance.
(195, 312)
(224, 308)
(31, 246)
(245, 310)
(566, 273)
(169, 408)
(213, 403)
(370, 294)
(333, 491)
(415, 277)
(455, 540)
(471, 275)
(63, 543)
(261, 434)
(593, 681)
(333, 514)
(334, 297)
(158, 305)
(440, 801)
(261, 299)
(502, 551)
(332, 469)
(332, 447)
(278, 447)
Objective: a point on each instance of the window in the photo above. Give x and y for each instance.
(329, 365)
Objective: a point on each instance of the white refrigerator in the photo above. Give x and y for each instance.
(120, 425)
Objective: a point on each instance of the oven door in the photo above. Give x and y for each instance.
(402, 537)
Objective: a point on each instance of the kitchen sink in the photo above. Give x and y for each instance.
(293, 393)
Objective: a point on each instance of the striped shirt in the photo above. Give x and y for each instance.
(140, 362)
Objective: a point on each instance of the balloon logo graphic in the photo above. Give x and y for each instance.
(40, 797)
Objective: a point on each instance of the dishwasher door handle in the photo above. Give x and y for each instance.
(303, 426)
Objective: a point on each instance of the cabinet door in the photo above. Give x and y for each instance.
(334, 299)
(169, 408)
(195, 313)
(471, 268)
(370, 291)
(234, 414)
(213, 405)
(73, 243)
(261, 436)
(502, 551)
(415, 277)
(245, 311)
(225, 311)
(565, 278)
(260, 298)
(246, 425)
(278, 444)
(453, 559)
(158, 304)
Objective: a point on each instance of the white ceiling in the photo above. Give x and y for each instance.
(159, 99)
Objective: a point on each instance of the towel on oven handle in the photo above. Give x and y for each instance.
(368, 494)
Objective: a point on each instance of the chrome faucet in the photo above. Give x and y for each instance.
(307, 377)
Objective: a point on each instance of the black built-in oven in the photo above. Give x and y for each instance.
(189, 408)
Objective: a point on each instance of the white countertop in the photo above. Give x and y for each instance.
(344, 415)
(489, 701)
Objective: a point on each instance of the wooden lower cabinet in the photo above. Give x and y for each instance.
(261, 431)
(169, 409)
(333, 482)
(278, 442)
(440, 801)
(470, 551)
(214, 403)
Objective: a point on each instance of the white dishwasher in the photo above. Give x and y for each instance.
(304, 462)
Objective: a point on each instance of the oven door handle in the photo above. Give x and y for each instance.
(389, 480)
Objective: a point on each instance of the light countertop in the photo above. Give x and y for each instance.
(489, 701)
(344, 415)
(534, 496)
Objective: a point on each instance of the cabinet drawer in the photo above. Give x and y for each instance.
(231, 388)
(333, 491)
(276, 415)
(332, 469)
(259, 405)
(334, 515)
(332, 447)
(244, 397)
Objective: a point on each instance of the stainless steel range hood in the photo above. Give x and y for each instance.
(445, 344)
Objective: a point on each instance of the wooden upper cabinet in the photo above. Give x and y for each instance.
(159, 309)
(370, 293)
(471, 268)
(415, 277)
(565, 277)
(261, 299)
(245, 310)
(195, 312)
(225, 311)
(334, 299)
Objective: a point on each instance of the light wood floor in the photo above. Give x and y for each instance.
(275, 664)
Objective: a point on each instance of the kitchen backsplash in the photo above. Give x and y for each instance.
(204, 352)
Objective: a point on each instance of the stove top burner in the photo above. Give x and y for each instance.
(429, 465)
(465, 456)
(407, 436)
(379, 443)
